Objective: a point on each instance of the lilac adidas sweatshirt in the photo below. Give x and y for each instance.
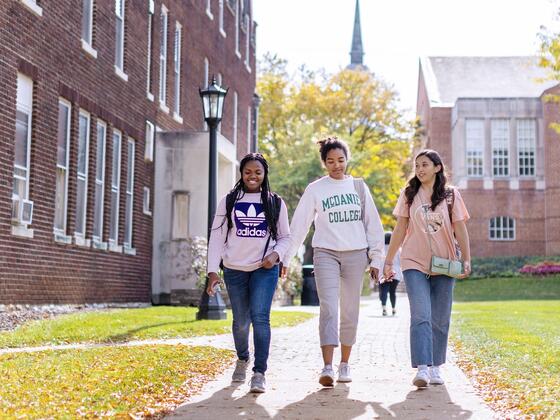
(247, 238)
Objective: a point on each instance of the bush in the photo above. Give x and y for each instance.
(541, 269)
(505, 266)
(293, 282)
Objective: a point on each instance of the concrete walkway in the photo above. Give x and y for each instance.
(381, 371)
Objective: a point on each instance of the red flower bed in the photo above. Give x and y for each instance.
(541, 269)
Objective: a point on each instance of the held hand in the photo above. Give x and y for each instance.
(374, 273)
(213, 281)
(284, 273)
(270, 260)
(388, 272)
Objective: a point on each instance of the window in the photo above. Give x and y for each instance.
(163, 57)
(500, 147)
(177, 70)
(151, 10)
(119, 51)
(180, 215)
(235, 111)
(221, 16)
(475, 147)
(526, 146)
(146, 202)
(87, 21)
(99, 181)
(129, 194)
(501, 229)
(150, 134)
(62, 162)
(21, 206)
(33, 6)
(115, 189)
(237, 29)
(82, 178)
(247, 19)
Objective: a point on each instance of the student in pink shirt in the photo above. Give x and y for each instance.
(430, 216)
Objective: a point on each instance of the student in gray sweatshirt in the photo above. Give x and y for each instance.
(250, 235)
(342, 245)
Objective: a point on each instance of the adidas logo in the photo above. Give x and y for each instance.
(251, 218)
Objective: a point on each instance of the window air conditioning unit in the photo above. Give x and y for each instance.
(22, 211)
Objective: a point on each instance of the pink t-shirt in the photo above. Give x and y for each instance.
(416, 252)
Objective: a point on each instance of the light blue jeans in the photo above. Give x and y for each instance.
(250, 294)
(430, 299)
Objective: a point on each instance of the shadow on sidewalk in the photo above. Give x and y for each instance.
(428, 403)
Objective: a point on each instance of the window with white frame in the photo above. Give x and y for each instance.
(151, 10)
(82, 177)
(115, 188)
(177, 69)
(99, 181)
(235, 112)
(501, 229)
(129, 206)
(146, 202)
(500, 147)
(526, 146)
(474, 134)
(237, 29)
(221, 16)
(150, 137)
(22, 150)
(247, 19)
(62, 163)
(87, 21)
(249, 143)
(33, 6)
(119, 38)
(180, 226)
(163, 56)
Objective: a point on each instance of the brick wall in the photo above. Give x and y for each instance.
(48, 49)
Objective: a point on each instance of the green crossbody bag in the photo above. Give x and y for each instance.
(439, 265)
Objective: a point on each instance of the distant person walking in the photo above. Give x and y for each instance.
(388, 286)
(250, 235)
(430, 216)
(341, 244)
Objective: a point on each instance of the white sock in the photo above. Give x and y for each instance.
(343, 364)
(329, 366)
(422, 367)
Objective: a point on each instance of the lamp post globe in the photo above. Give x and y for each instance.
(212, 307)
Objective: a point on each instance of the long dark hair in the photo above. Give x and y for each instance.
(440, 190)
(238, 190)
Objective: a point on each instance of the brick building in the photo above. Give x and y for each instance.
(84, 88)
(490, 120)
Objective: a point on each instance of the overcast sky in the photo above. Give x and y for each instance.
(395, 33)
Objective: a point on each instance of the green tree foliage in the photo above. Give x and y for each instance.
(550, 60)
(354, 105)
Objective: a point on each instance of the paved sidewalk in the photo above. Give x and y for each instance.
(380, 367)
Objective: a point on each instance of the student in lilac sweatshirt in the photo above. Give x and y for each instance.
(250, 242)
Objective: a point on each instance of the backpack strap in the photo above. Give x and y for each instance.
(359, 187)
(276, 204)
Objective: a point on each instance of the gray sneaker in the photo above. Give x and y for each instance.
(258, 383)
(240, 372)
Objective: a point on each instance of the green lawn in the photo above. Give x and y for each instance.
(158, 322)
(507, 333)
(105, 382)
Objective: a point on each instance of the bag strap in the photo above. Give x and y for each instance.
(359, 187)
(425, 211)
(450, 198)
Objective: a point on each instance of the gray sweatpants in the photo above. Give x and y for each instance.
(339, 277)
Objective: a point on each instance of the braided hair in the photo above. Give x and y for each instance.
(238, 192)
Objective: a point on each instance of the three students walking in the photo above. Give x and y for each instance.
(348, 240)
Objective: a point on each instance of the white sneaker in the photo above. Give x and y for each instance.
(327, 376)
(344, 373)
(435, 377)
(240, 372)
(422, 378)
(258, 383)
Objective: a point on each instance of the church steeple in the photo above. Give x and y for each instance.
(357, 51)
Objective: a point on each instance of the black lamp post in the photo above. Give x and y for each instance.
(212, 307)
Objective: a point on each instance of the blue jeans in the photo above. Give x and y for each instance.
(390, 288)
(250, 293)
(430, 299)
